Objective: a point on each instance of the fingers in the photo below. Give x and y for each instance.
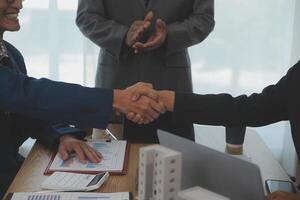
(136, 25)
(149, 85)
(144, 91)
(79, 152)
(63, 152)
(160, 24)
(84, 152)
(146, 104)
(141, 84)
(155, 41)
(149, 16)
(158, 106)
(135, 32)
(130, 116)
(138, 47)
(138, 33)
(146, 107)
(139, 99)
(144, 26)
(137, 118)
(139, 89)
(90, 153)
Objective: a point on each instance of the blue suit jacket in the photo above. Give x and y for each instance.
(32, 108)
(51, 101)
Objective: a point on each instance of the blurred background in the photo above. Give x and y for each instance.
(253, 45)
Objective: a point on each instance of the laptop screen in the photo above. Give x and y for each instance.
(232, 177)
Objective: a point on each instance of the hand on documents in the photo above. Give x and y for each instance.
(281, 195)
(155, 40)
(146, 106)
(68, 144)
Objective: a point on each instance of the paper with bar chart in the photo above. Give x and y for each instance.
(114, 159)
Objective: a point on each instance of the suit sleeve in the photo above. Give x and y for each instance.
(47, 134)
(194, 29)
(54, 102)
(261, 109)
(95, 25)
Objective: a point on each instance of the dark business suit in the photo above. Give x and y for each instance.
(275, 103)
(32, 108)
(106, 23)
(51, 101)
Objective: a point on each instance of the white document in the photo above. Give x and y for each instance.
(66, 181)
(70, 196)
(113, 158)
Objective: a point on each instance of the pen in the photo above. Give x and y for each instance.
(110, 134)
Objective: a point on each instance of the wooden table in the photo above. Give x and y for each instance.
(31, 175)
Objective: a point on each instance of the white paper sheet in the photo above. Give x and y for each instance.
(70, 196)
(113, 158)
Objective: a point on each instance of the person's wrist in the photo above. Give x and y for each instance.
(167, 97)
(235, 149)
(63, 138)
(117, 96)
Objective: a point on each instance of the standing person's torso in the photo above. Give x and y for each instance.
(125, 12)
(164, 72)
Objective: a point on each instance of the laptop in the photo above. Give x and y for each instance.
(231, 177)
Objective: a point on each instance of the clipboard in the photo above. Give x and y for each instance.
(118, 149)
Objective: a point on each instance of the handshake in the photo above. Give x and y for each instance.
(141, 103)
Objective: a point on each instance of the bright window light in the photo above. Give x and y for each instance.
(38, 4)
(67, 5)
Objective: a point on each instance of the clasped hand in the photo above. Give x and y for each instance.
(138, 28)
(140, 103)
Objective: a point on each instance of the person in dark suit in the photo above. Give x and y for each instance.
(43, 109)
(118, 26)
(278, 102)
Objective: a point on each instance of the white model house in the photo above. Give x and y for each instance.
(159, 173)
